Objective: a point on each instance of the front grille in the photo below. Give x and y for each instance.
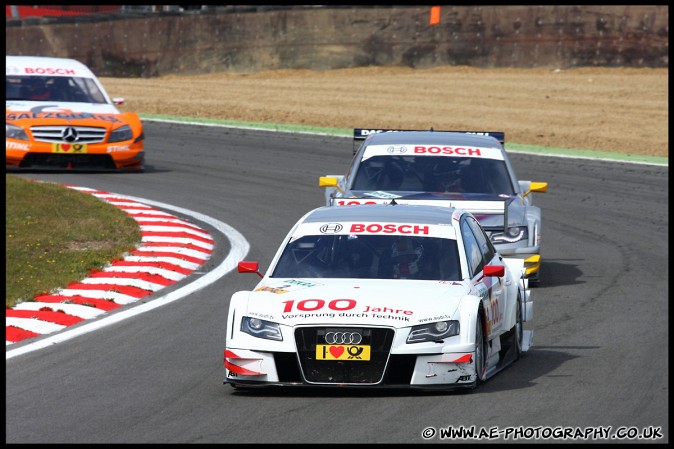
(343, 371)
(85, 134)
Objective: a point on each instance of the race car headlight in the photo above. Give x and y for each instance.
(261, 328)
(14, 132)
(433, 331)
(121, 134)
(512, 235)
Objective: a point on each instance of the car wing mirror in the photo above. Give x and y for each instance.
(537, 187)
(329, 181)
(249, 267)
(494, 270)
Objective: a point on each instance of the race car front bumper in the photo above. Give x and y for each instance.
(258, 368)
(21, 155)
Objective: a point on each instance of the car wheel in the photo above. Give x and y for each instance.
(535, 279)
(480, 353)
(518, 329)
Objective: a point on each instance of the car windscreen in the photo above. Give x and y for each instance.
(370, 257)
(53, 88)
(433, 174)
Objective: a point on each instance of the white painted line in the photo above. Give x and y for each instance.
(140, 283)
(164, 220)
(34, 325)
(168, 274)
(175, 249)
(119, 298)
(175, 230)
(147, 212)
(174, 260)
(184, 240)
(77, 310)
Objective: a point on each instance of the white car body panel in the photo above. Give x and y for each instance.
(87, 108)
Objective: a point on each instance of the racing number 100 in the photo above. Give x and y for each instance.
(309, 305)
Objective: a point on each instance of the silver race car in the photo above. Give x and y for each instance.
(379, 296)
(466, 169)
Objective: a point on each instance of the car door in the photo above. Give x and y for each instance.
(480, 252)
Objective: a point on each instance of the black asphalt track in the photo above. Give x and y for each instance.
(600, 350)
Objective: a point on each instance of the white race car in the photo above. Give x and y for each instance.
(385, 296)
(466, 169)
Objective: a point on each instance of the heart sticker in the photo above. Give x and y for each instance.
(336, 351)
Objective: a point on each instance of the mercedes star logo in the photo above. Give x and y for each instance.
(70, 135)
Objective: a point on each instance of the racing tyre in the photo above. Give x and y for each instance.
(511, 350)
(535, 279)
(518, 329)
(480, 353)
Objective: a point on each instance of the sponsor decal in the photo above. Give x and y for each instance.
(48, 71)
(461, 151)
(39, 113)
(389, 228)
(434, 150)
(387, 310)
(265, 288)
(435, 318)
(264, 316)
(17, 146)
(397, 149)
(434, 230)
(331, 228)
(116, 148)
(385, 195)
(367, 132)
(285, 286)
(72, 148)
(12, 70)
(450, 282)
(347, 308)
(355, 202)
(343, 352)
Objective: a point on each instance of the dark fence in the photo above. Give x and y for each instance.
(149, 41)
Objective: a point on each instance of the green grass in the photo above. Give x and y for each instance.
(55, 236)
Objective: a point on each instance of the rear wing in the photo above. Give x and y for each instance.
(360, 134)
(482, 210)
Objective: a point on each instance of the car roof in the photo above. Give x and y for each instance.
(44, 65)
(433, 138)
(403, 213)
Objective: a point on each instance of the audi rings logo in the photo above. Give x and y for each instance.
(331, 228)
(70, 135)
(343, 338)
(396, 149)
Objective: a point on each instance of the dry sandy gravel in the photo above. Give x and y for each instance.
(623, 110)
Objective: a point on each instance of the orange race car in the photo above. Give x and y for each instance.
(59, 117)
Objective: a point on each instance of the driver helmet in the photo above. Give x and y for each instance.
(406, 255)
(446, 172)
(36, 88)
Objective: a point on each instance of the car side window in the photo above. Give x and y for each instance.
(472, 248)
(486, 247)
(379, 173)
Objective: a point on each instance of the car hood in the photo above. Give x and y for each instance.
(472, 202)
(28, 112)
(398, 303)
